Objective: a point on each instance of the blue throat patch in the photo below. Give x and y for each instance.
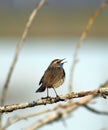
(61, 65)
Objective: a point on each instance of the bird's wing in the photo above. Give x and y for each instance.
(41, 80)
(52, 75)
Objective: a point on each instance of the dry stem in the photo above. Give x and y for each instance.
(57, 115)
(18, 48)
(13, 107)
(13, 121)
(69, 107)
(80, 42)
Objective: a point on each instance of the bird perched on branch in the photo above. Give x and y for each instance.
(53, 77)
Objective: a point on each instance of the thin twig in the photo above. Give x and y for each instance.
(18, 48)
(51, 100)
(80, 42)
(96, 111)
(13, 121)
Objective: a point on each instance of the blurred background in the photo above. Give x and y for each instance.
(54, 34)
(59, 18)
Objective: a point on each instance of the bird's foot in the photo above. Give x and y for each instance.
(58, 97)
(46, 97)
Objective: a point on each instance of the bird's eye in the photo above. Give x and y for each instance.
(58, 62)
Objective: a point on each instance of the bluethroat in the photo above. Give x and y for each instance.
(53, 76)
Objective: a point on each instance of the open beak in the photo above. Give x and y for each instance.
(62, 61)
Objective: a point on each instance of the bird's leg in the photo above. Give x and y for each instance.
(47, 93)
(55, 92)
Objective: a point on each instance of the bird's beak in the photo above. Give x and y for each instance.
(62, 61)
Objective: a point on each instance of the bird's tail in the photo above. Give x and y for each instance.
(40, 89)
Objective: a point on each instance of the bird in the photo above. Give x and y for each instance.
(53, 77)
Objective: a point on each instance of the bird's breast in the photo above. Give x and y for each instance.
(58, 83)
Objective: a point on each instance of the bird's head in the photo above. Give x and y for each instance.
(58, 62)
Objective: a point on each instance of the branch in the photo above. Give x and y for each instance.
(96, 111)
(13, 121)
(10, 108)
(83, 36)
(57, 115)
(58, 107)
(69, 107)
(18, 48)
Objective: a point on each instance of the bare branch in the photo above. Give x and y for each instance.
(57, 115)
(58, 107)
(18, 48)
(10, 108)
(70, 106)
(83, 36)
(13, 121)
(96, 111)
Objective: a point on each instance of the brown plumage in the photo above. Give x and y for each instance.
(53, 77)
